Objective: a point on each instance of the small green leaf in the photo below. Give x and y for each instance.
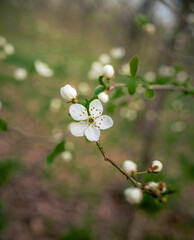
(100, 80)
(3, 125)
(134, 66)
(132, 86)
(149, 93)
(99, 90)
(59, 148)
(141, 19)
(118, 92)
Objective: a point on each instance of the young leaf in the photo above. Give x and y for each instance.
(141, 19)
(3, 125)
(100, 80)
(134, 66)
(132, 86)
(59, 148)
(99, 90)
(149, 93)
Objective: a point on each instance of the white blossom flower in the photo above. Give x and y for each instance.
(84, 88)
(95, 71)
(43, 69)
(117, 53)
(133, 195)
(68, 93)
(156, 166)
(89, 125)
(9, 49)
(104, 58)
(181, 77)
(55, 104)
(2, 41)
(166, 71)
(66, 156)
(20, 74)
(125, 69)
(150, 28)
(108, 71)
(103, 97)
(150, 76)
(130, 167)
(156, 188)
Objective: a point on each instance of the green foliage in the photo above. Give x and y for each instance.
(149, 205)
(3, 125)
(101, 82)
(3, 219)
(149, 93)
(110, 107)
(99, 90)
(118, 92)
(77, 234)
(7, 169)
(141, 19)
(132, 85)
(59, 148)
(134, 66)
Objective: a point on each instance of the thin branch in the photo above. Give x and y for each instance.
(155, 87)
(115, 165)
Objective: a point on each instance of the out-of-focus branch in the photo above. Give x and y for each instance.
(154, 87)
(115, 165)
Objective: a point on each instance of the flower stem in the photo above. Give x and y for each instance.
(115, 165)
(144, 172)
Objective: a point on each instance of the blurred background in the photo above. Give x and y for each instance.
(47, 44)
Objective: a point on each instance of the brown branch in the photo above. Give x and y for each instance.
(115, 165)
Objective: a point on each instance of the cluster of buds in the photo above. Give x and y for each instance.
(135, 195)
(157, 189)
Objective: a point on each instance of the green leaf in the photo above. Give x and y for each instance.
(99, 90)
(134, 66)
(132, 86)
(122, 78)
(100, 80)
(149, 93)
(141, 19)
(3, 125)
(59, 148)
(118, 92)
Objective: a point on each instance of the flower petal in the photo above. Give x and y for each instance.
(78, 129)
(78, 112)
(92, 133)
(104, 122)
(95, 108)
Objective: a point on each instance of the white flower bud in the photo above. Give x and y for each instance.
(20, 74)
(66, 156)
(9, 49)
(68, 93)
(117, 53)
(108, 71)
(156, 166)
(103, 97)
(43, 69)
(133, 195)
(104, 58)
(130, 167)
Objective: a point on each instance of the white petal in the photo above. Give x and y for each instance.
(95, 108)
(104, 122)
(78, 129)
(92, 133)
(78, 112)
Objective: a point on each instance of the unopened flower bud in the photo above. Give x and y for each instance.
(156, 166)
(103, 97)
(108, 71)
(133, 195)
(130, 167)
(68, 93)
(162, 187)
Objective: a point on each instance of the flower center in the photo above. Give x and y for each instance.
(90, 120)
